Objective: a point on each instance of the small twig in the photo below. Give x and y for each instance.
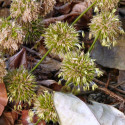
(107, 84)
(119, 84)
(32, 51)
(112, 94)
(102, 83)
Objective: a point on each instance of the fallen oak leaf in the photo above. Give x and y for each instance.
(3, 97)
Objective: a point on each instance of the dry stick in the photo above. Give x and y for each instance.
(107, 84)
(112, 94)
(119, 84)
(102, 83)
(72, 25)
(32, 51)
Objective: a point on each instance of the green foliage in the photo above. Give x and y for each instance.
(109, 25)
(33, 31)
(61, 37)
(45, 108)
(78, 68)
(20, 86)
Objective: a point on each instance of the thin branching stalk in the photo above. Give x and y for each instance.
(41, 60)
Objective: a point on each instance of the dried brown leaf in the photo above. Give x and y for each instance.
(18, 59)
(65, 9)
(3, 97)
(8, 118)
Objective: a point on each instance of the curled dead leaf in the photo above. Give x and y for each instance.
(18, 59)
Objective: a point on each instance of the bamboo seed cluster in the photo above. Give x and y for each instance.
(61, 37)
(107, 22)
(109, 25)
(79, 68)
(76, 68)
(44, 107)
(20, 86)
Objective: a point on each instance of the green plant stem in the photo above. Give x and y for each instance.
(83, 13)
(41, 60)
(72, 25)
(96, 38)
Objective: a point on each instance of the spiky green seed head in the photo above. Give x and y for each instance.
(20, 86)
(3, 71)
(11, 36)
(105, 5)
(109, 25)
(78, 68)
(44, 107)
(61, 37)
(25, 11)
